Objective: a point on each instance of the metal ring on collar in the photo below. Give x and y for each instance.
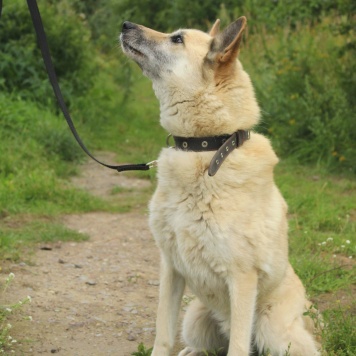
(168, 139)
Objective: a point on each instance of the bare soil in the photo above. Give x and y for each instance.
(97, 297)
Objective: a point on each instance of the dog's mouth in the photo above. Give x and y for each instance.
(131, 50)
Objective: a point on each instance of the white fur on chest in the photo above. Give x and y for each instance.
(206, 226)
(185, 231)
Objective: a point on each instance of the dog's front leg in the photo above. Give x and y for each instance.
(243, 292)
(171, 290)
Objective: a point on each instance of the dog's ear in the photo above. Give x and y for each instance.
(225, 45)
(215, 29)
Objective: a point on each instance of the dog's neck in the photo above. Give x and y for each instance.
(207, 110)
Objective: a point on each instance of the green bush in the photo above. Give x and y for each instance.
(307, 107)
(21, 66)
(287, 13)
(106, 16)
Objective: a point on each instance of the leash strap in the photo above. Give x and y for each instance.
(47, 59)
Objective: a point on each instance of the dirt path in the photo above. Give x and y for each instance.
(97, 297)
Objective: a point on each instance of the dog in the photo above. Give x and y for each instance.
(217, 216)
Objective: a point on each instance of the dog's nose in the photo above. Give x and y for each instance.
(127, 25)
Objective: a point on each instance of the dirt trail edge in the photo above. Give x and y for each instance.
(97, 297)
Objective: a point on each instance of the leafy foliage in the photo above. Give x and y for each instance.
(21, 67)
(300, 81)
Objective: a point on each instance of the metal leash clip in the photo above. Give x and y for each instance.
(152, 164)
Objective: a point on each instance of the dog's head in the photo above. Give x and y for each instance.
(188, 64)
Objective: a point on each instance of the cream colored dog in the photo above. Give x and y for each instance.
(224, 236)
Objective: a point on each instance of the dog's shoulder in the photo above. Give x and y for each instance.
(257, 153)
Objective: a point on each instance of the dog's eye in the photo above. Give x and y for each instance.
(177, 39)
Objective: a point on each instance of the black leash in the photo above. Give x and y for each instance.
(47, 59)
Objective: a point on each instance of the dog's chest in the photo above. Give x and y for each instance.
(199, 256)
(189, 235)
(209, 226)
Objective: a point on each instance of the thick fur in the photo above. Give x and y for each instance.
(224, 236)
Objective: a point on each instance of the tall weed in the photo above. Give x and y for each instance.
(299, 79)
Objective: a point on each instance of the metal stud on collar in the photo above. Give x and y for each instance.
(235, 140)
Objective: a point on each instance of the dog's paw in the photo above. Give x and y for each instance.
(188, 351)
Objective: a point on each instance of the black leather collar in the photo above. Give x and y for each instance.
(199, 144)
(223, 144)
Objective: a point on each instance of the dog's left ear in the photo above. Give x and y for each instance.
(225, 45)
(215, 29)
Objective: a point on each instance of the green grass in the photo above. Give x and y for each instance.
(323, 247)
(17, 236)
(322, 226)
(339, 337)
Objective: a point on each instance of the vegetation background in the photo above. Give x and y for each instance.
(301, 58)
